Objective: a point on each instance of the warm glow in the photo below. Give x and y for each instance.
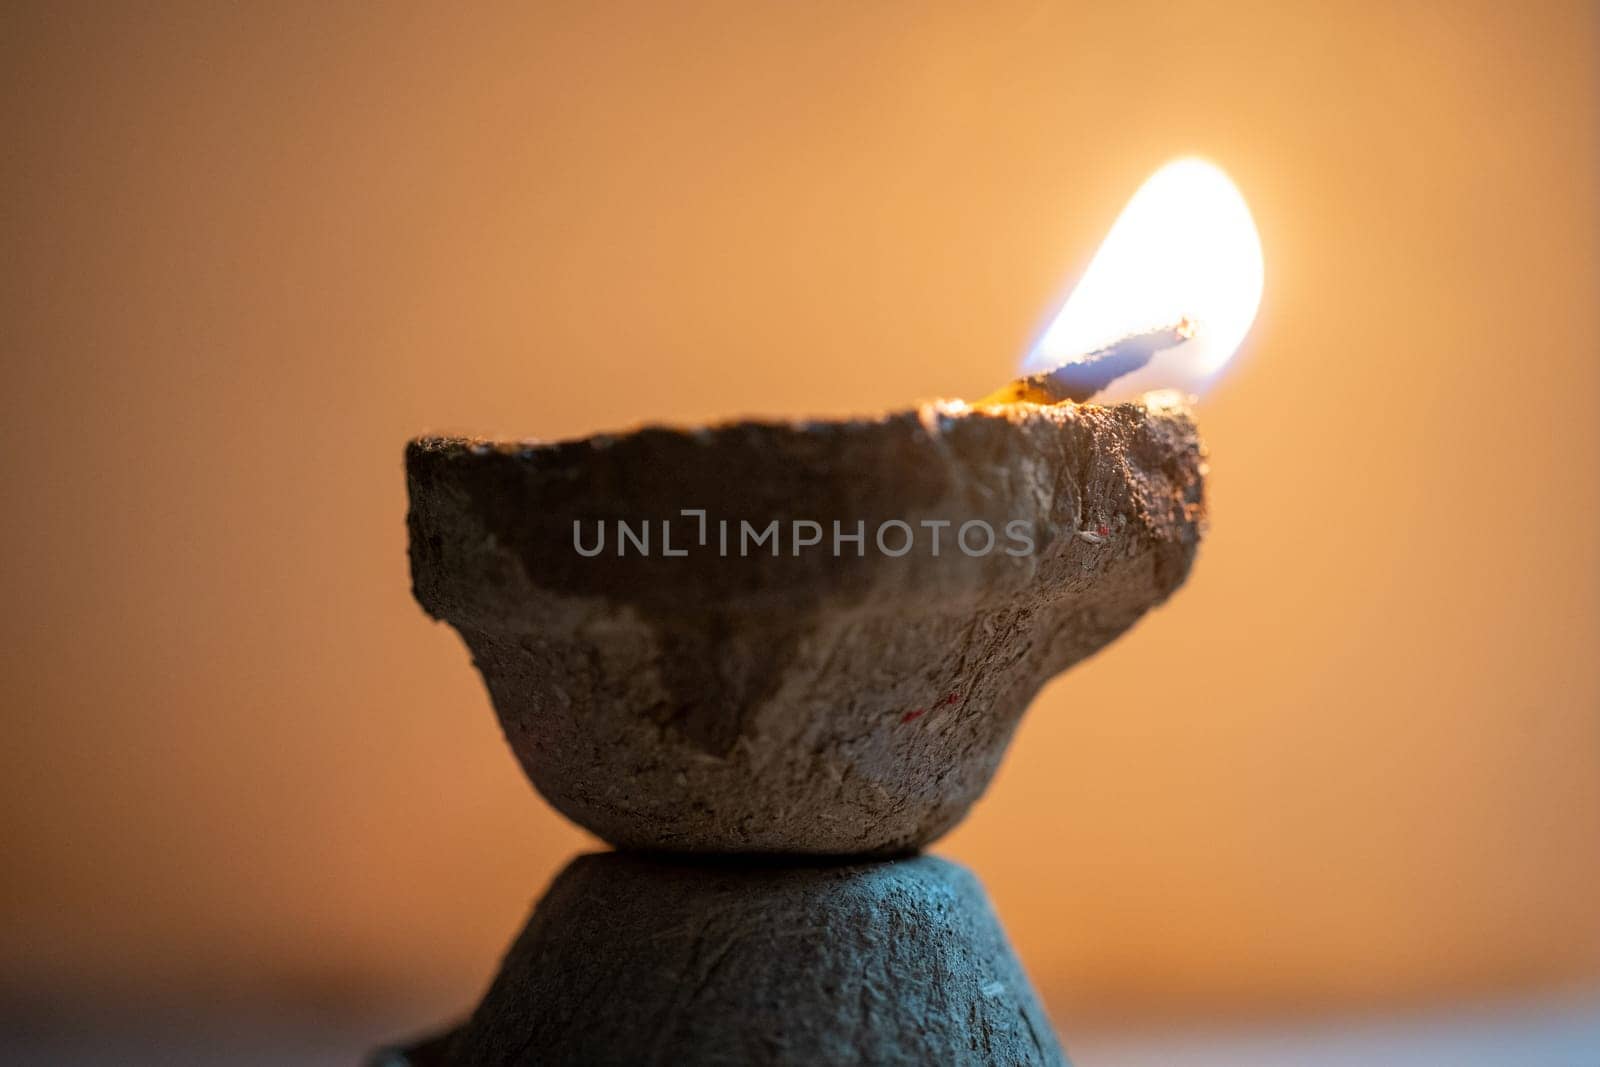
(1184, 250)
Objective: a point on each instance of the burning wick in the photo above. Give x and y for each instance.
(1082, 379)
(1165, 302)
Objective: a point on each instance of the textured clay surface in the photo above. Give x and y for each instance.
(801, 702)
(633, 960)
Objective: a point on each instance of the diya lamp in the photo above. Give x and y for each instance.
(770, 661)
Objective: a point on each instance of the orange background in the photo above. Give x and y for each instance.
(1355, 763)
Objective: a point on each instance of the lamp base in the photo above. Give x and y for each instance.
(647, 960)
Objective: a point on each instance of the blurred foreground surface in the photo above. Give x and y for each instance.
(1552, 1033)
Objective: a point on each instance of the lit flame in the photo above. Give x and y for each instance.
(1183, 252)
